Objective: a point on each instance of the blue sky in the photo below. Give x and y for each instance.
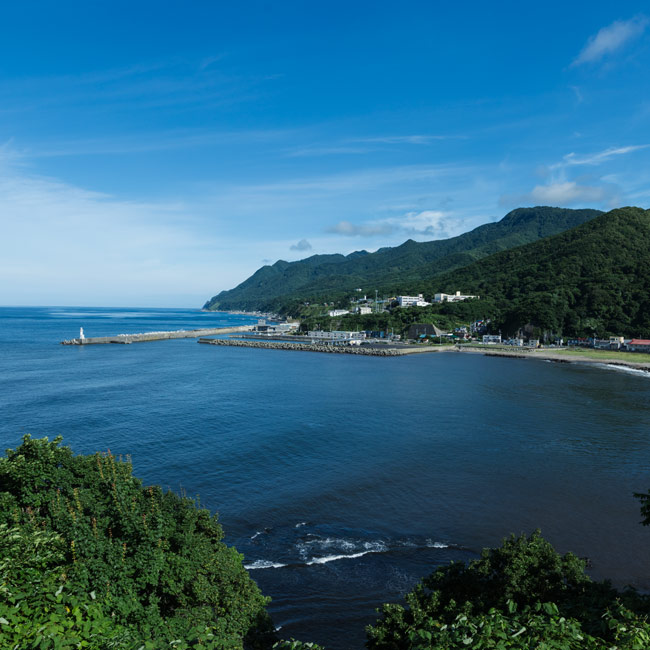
(155, 153)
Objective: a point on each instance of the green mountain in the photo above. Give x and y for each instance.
(400, 269)
(594, 278)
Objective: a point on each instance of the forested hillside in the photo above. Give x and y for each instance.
(398, 270)
(592, 279)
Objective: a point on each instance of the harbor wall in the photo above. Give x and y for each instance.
(158, 336)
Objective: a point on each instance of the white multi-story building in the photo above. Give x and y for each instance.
(451, 297)
(492, 338)
(364, 309)
(412, 301)
(338, 312)
(339, 336)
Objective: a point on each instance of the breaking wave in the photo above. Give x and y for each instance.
(313, 549)
(621, 368)
(264, 564)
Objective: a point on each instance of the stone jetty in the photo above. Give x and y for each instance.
(158, 336)
(307, 347)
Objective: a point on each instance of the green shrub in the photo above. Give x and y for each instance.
(148, 562)
(521, 595)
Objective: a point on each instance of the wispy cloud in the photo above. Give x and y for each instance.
(610, 39)
(148, 142)
(568, 184)
(328, 151)
(406, 139)
(599, 157)
(361, 179)
(364, 145)
(172, 83)
(210, 60)
(76, 245)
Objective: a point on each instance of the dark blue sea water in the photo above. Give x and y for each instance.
(344, 479)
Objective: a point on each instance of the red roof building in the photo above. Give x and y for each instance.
(638, 345)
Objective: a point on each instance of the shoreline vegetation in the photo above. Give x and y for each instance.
(111, 562)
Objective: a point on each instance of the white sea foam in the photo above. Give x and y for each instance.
(368, 547)
(332, 558)
(432, 544)
(259, 532)
(263, 564)
(634, 371)
(358, 548)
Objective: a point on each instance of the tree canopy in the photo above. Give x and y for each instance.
(522, 595)
(89, 553)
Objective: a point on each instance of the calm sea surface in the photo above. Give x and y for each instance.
(344, 479)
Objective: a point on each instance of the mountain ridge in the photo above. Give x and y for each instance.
(400, 268)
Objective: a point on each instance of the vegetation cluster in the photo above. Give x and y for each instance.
(592, 279)
(446, 316)
(90, 558)
(522, 595)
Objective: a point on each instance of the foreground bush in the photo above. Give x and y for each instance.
(92, 559)
(89, 558)
(522, 595)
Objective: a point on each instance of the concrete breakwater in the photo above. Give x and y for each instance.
(158, 336)
(306, 347)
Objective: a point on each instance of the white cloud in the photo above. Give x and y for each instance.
(328, 151)
(361, 179)
(597, 158)
(368, 144)
(149, 142)
(406, 139)
(427, 223)
(610, 39)
(368, 229)
(302, 245)
(566, 193)
(63, 244)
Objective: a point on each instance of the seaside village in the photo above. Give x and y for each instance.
(475, 332)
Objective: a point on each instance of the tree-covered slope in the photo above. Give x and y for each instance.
(592, 279)
(327, 277)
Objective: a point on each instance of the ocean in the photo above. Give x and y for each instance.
(342, 479)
